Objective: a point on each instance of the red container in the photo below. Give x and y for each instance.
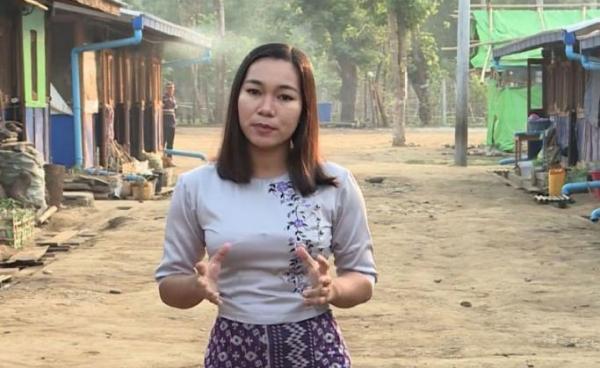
(595, 176)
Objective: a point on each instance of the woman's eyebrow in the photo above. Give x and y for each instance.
(283, 86)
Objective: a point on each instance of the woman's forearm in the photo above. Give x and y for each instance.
(350, 289)
(180, 291)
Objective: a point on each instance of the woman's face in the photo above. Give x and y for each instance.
(270, 103)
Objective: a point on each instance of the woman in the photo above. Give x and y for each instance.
(269, 213)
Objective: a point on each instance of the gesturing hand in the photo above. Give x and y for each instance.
(208, 274)
(321, 291)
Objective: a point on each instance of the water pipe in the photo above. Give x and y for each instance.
(569, 40)
(595, 215)
(589, 64)
(496, 64)
(506, 161)
(205, 58)
(586, 61)
(175, 152)
(569, 188)
(511, 160)
(138, 25)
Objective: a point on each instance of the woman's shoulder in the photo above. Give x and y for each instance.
(200, 174)
(338, 171)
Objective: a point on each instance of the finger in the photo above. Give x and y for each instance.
(315, 292)
(325, 280)
(213, 298)
(305, 257)
(310, 293)
(219, 257)
(323, 265)
(201, 268)
(316, 301)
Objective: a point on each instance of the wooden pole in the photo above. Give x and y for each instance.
(540, 10)
(462, 84)
(490, 17)
(444, 103)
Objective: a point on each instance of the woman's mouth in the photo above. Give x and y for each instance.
(263, 129)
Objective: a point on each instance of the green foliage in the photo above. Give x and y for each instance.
(345, 28)
(327, 30)
(412, 13)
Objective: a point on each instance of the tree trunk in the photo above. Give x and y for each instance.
(419, 79)
(398, 38)
(220, 98)
(348, 73)
(197, 94)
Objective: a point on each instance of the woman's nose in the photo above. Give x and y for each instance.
(266, 107)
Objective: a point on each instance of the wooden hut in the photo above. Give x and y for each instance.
(567, 95)
(120, 86)
(23, 82)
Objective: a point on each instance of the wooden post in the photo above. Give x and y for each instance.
(444, 103)
(365, 98)
(488, 56)
(462, 84)
(540, 10)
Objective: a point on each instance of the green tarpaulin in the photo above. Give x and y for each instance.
(510, 25)
(507, 113)
(507, 107)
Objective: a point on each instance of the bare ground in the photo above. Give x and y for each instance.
(525, 274)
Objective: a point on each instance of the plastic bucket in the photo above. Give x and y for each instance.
(143, 191)
(556, 180)
(595, 176)
(324, 111)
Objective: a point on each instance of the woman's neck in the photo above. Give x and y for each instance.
(268, 163)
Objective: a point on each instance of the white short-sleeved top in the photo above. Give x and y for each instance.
(261, 279)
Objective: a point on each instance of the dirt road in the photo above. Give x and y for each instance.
(473, 273)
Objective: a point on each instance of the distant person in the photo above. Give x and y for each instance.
(269, 213)
(169, 104)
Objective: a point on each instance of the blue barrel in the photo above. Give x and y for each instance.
(62, 141)
(324, 109)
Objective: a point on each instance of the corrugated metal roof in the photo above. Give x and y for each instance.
(151, 22)
(590, 41)
(168, 28)
(546, 38)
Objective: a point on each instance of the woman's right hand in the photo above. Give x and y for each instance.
(208, 274)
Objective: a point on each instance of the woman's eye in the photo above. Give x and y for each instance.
(286, 98)
(252, 91)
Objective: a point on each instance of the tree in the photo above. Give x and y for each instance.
(404, 16)
(345, 29)
(220, 98)
(423, 64)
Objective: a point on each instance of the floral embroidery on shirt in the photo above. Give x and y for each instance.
(302, 218)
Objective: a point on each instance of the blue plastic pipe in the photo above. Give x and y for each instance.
(138, 25)
(175, 152)
(595, 215)
(586, 62)
(569, 188)
(205, 58)
(572, 55)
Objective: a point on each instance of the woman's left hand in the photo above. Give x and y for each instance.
(321, 290)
